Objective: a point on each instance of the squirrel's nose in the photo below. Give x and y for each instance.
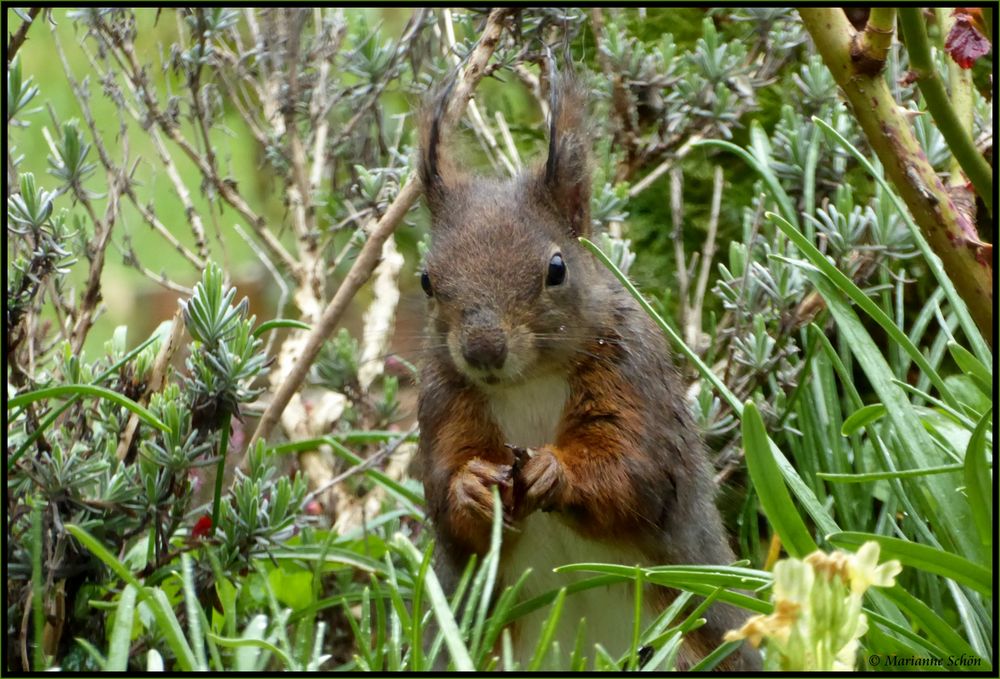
(485, 349)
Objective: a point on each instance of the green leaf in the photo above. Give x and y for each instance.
(121, 632)
(879, 476)
(280, 323)
(292, 588)
(979, 483)
(972, 367)
(439, 604)
(70, 390)
(938, 499)
(939, 630)
(862, 417)
(157, 601)
(770, 487)
(923, 558)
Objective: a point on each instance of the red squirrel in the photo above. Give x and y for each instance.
(544, 377)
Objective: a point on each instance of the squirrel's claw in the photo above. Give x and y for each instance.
(472, 487)
(543, 480)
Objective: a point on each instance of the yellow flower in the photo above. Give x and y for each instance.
(817, 618)
(864, 572)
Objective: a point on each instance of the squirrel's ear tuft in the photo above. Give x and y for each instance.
(567, 170)
(436, 171)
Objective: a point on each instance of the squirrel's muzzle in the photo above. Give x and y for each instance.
(483, 341)
(485, 349)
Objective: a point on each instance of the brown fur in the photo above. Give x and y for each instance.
(627, 465)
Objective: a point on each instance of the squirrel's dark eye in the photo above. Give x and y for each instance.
(425, 283)
(557, 270)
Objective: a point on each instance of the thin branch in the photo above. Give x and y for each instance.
(911, 22)
(17, 39)
(478, 123)
(139, 81)
(708, 255)
(147, 213)
(156, 380)
(368, 257)
(665, 166)
(677, 236)
(373, 460)
(275, 274)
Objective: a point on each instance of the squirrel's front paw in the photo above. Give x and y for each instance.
(542, 482)
(472, 488)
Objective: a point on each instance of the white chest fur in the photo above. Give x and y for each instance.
(546, 542)
(529, 415)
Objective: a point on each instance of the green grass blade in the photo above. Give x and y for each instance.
(770, 487)
(548, 631)
(864, 302)
(279, 323)
(168, 625)
(761, 168)
(94, 546)
(56, 412)
(878, 476)
(710, 661)
(491, 563)
(922, 557)
(938, 630)
(71, 390)
(194, 613)
(862, 417)
(979, 483)
(972, 366)
(252, 642)
(412, 499)
(439, 604)
(155, 598)
(38, 659)
(935, 495)
(120, 642)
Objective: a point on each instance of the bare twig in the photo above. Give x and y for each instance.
(17, 39)
(368, 257)
(275, 274)
(373, 460)
(479, 125)
(145, 210)
(665, 166)
(156, 380)
(708, 254)
(677, 236)
(124, 52)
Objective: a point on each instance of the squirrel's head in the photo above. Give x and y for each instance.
(507, 280)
